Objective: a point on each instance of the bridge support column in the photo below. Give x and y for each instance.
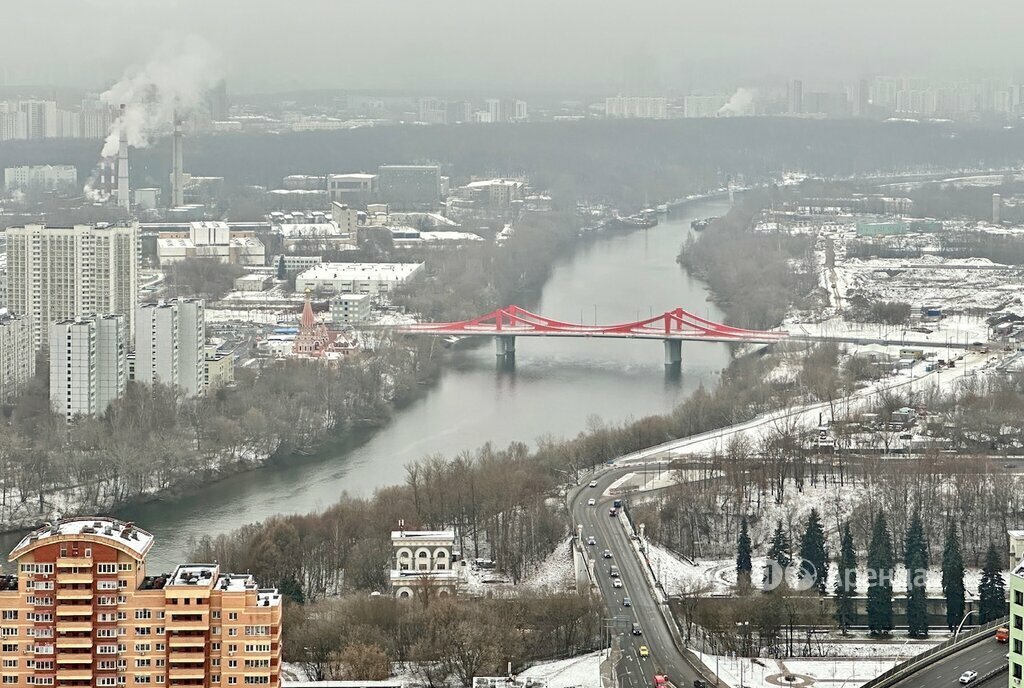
(505, 346)
(673, 352)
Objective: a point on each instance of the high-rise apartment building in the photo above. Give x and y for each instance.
(795, 97)
(59, 273)
(88, 364)
(636, 107)
(82, 611)
(170, 340)
(17, 355)
(40, 117)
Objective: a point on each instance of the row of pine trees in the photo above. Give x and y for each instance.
(812, 571)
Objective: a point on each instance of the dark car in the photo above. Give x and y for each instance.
(637, 630)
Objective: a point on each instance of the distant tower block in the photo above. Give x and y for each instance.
(123, 188)
(997, 208)
(177, 173)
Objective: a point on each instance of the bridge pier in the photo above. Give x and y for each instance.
(505, 346)
(673, 352)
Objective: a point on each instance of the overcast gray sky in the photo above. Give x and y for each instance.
(512, 45)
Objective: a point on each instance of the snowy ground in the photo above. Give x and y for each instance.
(555, 574)
(809, 416)
(768, 673)
(577, 672)
(718, 576)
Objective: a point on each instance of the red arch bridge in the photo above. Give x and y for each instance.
(672, 327)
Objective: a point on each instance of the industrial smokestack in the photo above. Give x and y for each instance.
(177, 186)
(123, 190)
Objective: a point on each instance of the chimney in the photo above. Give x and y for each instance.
(123, 190)
(177, 191)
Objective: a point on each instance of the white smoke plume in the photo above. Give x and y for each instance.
(176, 78)
(741, 103)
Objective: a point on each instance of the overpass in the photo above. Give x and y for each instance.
(673, 327)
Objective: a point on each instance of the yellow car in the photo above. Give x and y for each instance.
(644, 652)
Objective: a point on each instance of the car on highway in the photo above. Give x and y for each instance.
(644, 652)
(591, 502)
(613, 512)
(1003, 635)
(637, 630)
(626, 602)
(606, 554)
(591, 540)
(593, 483)
(616, 582)
(613, 571)
(968, 676)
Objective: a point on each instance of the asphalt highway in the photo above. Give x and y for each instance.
(982, 657)
(633, 670)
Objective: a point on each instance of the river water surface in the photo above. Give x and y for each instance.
(556, 386)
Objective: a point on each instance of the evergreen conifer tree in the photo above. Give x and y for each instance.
(880, 574)
(778, 557)
(915, 559)
(953, 578)
(846, 583)
(814, 557)
(992, 590)
(744, 565)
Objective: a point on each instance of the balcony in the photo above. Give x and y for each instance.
(187, 625)
(178, 673)
(74, 643)
(74, 610)
(74, 626)
(187, 657)
(187, 641)
(74, 577)
(75, 658)
(74, 674)
(74, 563)
(74, 594)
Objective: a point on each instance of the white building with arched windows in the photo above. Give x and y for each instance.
(422, 562)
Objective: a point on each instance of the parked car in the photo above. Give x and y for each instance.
(968, 676)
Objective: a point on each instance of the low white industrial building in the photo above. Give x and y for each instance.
(213, 240)
(356, 278)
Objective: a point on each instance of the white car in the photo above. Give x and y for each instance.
(591, 540)
(616, 582)
(593, 483)
(968, 676)
(591, 502)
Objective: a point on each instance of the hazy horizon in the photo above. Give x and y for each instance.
(568, 46)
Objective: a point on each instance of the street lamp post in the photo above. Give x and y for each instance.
(962, 624)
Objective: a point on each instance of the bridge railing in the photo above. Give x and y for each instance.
(951, 646)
